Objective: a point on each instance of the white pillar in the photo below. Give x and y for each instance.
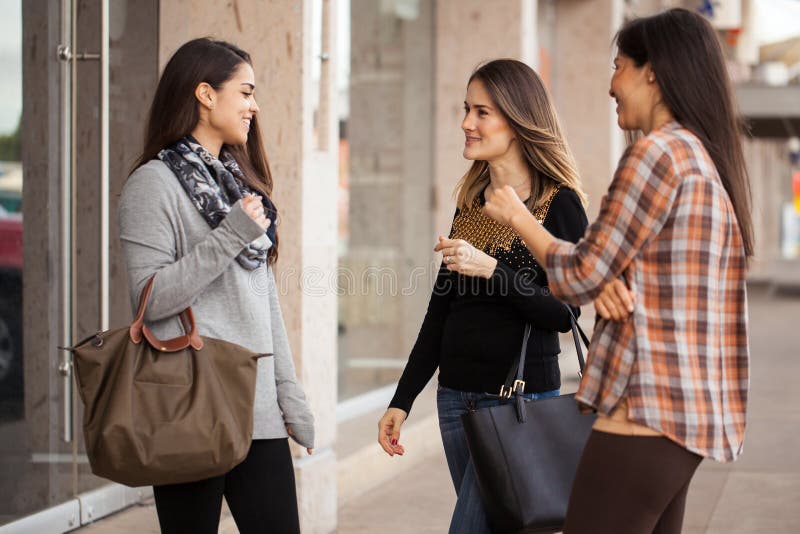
(582, 62)
(469, 32)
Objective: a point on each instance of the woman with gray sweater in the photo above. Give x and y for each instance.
(197, 214)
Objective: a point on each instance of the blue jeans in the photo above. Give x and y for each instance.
(468, 516)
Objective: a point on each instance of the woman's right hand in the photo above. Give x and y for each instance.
(615, 301)
(389, 431)
(255, 210)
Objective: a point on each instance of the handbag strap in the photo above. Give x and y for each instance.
(576, 329)
(517, 370)
(515, 384)
(139, 329)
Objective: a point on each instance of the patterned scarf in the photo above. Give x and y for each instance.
(213, 186)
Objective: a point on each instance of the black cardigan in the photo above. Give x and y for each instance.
(473, 328)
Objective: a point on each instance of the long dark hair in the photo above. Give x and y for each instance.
(174, 112)
(685, 54)
(521, 97)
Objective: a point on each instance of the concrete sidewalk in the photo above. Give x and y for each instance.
(760, 493)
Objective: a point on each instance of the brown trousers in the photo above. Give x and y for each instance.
(630, 485)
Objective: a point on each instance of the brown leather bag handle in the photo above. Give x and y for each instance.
(138, 328)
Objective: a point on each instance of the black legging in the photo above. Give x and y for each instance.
(260, 492)
(630, 485)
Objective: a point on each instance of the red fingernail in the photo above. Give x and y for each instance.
(394, 442)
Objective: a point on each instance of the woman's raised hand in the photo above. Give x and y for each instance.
(461, 257)
(389, 431)
(615, 302)
(255, 210)
(503, 205)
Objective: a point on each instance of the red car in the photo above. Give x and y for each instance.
(11, 378)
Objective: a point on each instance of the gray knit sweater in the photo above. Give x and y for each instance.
(163, 232)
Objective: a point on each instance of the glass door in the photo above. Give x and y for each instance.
(111, 102)
(36, 462)
(66, 147)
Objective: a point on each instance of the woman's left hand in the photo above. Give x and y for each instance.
(291, 433)
(503, 205)
(615, 301)
(463, 258)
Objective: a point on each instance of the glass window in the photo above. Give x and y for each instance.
(11, 375)
(385, 84)
(41, 466)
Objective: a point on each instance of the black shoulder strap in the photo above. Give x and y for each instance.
(514, 380)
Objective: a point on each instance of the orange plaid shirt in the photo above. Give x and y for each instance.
(681, 359)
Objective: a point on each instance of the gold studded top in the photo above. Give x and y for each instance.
(488, 235)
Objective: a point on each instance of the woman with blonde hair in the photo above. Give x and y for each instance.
(489, 286)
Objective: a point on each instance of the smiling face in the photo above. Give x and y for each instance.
(231, 108)
(635, 91)
(488, 135)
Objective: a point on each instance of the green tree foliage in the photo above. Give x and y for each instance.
(10, 146)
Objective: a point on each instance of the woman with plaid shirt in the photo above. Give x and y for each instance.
(668, 374)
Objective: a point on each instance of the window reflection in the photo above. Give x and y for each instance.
(11, 366)
(385, 84)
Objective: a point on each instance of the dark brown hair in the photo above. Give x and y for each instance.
(686, 57)
(522, 99)
(174, 112)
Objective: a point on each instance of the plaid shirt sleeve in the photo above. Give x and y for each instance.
(632, 213)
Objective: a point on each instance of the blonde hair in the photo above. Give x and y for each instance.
(521, 97)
